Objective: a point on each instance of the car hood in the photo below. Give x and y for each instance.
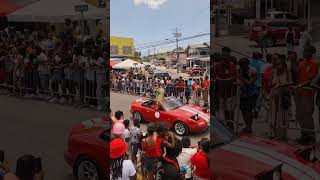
(248, 156)
(91, 126)
(191, 110)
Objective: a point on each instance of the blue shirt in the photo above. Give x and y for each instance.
(257, 65)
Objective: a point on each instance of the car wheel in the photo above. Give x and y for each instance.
(180, 128)
(138, 116)
(87, 169)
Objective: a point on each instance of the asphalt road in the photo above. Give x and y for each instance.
(40, 129)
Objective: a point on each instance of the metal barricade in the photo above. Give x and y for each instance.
(57, 86)
(148, 89)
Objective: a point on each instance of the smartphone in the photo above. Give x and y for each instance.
(38, 164)
(1, 156)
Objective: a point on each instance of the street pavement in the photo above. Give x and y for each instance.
(41, 129)
(123, 102)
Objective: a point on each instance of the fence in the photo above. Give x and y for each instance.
(198, 96)
(277, 108)
(83, 86)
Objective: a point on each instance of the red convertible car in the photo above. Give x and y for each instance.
(246, 157)
(87, 149)
(182, 118)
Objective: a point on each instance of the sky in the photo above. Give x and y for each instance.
(153, 20)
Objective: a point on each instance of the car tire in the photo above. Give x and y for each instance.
(137, 115)
(82, 164)
(180, 128)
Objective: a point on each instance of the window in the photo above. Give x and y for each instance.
(114, 50)
(126, 50)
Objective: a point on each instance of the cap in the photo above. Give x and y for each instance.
(118, 128)
(117, 148)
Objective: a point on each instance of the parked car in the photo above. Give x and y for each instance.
(184, 119)
(248, 157)
(196, 71)
(160, 74)
(276, 30)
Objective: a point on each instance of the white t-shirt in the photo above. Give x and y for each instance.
(184, 159)
(128, 170)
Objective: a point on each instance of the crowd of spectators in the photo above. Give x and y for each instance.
(162, 155)
(285, 85)
(144, 83)
(65, 67)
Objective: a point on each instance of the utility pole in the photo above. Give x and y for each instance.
(218, 9)
(177, 35)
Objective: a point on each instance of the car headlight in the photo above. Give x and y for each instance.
(201, 123)
(274, 174)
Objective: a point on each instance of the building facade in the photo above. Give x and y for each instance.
(123, 47)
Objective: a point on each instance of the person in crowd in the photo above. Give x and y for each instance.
(293, 66)
(184, 159)
(249, 92)
(90, 84)
(126, 135)
(79, 66)
(280, 98)
(225, 75)
(196, 88)
(263, 40)
(257, 63)
(43, 69)
(165, 139)
(121, 167)
(187, 91)
(201, 161)
(304, 98)
(148, 146)
(118, 117)
(56, 77)
(26, 168)
(304, 41)
(180, 88)
(290, 39)
(316, 84)
(159, 93)
(135, 139)
(205, 91)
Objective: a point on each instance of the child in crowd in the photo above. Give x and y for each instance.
(135, 139)
(126, 135)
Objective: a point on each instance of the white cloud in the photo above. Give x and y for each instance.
(153, 4)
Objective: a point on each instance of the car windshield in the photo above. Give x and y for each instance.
(171, 103)
(221, 135)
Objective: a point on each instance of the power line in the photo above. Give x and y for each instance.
(172, 41)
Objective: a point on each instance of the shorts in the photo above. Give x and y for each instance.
(228, 104)
(248, 104)
(150, 164)
(135, 148)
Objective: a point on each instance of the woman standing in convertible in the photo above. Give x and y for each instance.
(159, 93)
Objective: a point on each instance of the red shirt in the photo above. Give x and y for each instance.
(205, 84)
(267, 75)
(224, 70)
(308, 70)
(200, 162)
